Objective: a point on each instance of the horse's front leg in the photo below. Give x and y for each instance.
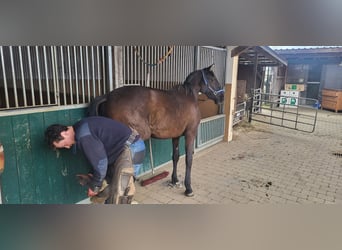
(175, 158)
(189, 151)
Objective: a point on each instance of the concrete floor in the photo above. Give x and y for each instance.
(263, 164)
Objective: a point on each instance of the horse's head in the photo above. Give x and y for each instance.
(210, 86)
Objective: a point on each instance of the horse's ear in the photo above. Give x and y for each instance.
(210, 67)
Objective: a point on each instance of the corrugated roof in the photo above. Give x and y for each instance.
(319, 54)
(306, 49)
(263, 55)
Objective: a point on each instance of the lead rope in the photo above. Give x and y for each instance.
(2, 167)
(149, 140)
(149, 66)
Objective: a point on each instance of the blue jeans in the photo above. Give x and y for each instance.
(138, 154)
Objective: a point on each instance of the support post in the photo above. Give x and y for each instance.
(229, 102)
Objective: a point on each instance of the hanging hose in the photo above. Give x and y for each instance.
(2, 167)
(2, 159)
(149, 67)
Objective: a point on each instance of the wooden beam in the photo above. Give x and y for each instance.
(238, 50)
(269, 53)
(229, 102)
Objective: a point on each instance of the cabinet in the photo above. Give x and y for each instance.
(332, 99)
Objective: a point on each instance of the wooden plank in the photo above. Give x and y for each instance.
(39, 157)
(54, 163)
(22, 141)
(74, 164)
(10, 183)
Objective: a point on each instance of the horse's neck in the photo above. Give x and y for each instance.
(192, 87)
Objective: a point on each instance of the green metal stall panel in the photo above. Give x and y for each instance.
(34, 173)
(161, 151)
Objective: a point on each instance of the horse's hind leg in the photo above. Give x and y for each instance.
(175, 158)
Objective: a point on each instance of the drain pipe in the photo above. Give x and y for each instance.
(2, 167)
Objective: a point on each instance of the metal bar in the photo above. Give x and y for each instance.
(130, 66)
(134, 69)
(88, 75)
(157, 67)
(31, 75)
(22, 76)
(93, 69)
(4, 75)
(46, 76)
(146, 79)
(214, 48)
(82, 74)
(70, 77)
(14, 78)
(124, 59)
(76, 76)
(63, 75)
(103, 70)
(151, 155)
(55, 74)
(114, 57)
(98, 70)
(140, 65)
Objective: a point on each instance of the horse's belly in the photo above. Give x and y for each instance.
(167, 131)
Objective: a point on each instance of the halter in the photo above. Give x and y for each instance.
(215, 92)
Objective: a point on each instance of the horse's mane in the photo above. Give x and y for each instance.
(186, 86)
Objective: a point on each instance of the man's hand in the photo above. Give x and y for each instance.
(93, 192)
(96, 189)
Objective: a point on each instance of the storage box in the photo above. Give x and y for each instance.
(332, 99)
(294, 87)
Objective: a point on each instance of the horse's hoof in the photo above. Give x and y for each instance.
(189, 194)
(175, 185)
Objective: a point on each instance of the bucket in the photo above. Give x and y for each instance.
(317, 105)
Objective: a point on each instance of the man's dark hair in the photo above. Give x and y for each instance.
(53, 133)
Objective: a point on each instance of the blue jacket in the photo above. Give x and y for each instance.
(101, 140)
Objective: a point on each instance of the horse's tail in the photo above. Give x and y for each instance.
(96, 107)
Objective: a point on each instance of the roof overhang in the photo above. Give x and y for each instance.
(262, 55)
(326, 55)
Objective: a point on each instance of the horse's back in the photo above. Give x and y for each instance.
(153, 112)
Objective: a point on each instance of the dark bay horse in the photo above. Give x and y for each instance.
(165, 114)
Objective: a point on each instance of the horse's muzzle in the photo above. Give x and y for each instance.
(219, 98)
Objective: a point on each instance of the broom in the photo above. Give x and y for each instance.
(154, 178)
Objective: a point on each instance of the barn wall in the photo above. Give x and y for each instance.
(33, 172)
(36, 174)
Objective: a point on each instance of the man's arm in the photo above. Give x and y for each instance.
(96, 154)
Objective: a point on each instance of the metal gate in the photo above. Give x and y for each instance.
(163, 67)
(288, 111)
(41, 76)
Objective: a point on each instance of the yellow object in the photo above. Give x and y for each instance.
(104, 185)
(99, 199)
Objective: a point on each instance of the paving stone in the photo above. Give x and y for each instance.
(298, 167)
